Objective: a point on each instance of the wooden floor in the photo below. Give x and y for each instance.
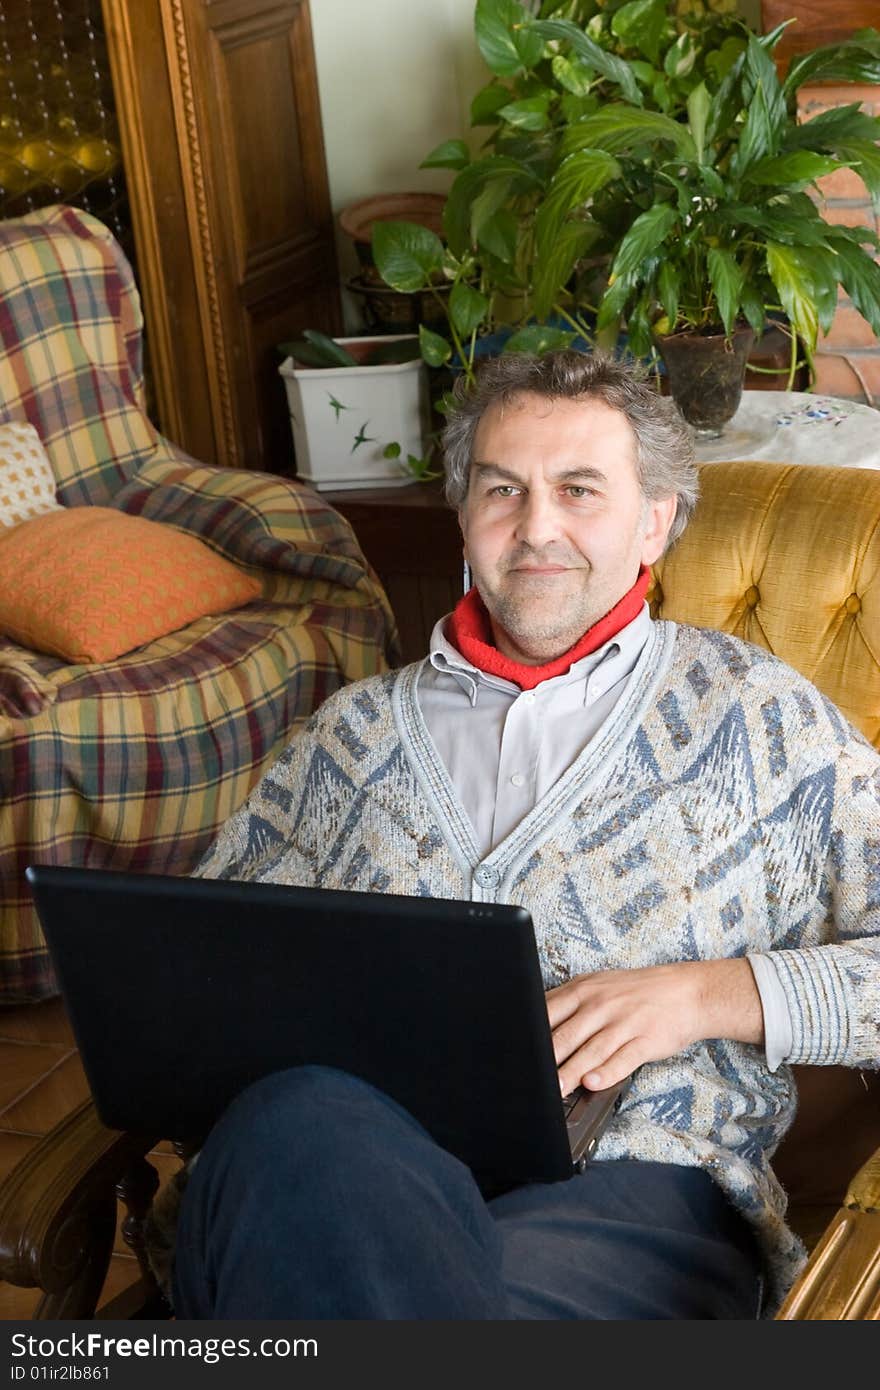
(41, 1079)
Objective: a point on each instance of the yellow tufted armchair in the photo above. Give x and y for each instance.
(784, 556)
(788, 557)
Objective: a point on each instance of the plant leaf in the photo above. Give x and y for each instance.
(574, 183)
(484, 207)
(680, 57)
(644, 237)
(855, 60)
(488, 102)
(860, 277)
(452, 154)
(726, 278)
(406, 254)
(864, 158)
(498, 235)
(390, 352)
(573, 75)
(435, 349)
(794, 170)
(698, 105)
(466, 189)
(841, 123)
(766, 118)
(539, 338)
(505, 39)
(307, 355)
(467, 308)
(334, 353)
(753, 307)
(618, 128)
(795, 289)
(555, 265)
(640, 25)
(529, 114)
(608, 64)
(668, 290)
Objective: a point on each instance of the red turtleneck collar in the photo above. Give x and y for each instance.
(470, 632)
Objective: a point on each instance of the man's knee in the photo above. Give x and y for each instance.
(274, 1114)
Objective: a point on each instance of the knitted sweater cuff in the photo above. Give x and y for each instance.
(818, 1005)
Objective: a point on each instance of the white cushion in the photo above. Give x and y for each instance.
(27, 483)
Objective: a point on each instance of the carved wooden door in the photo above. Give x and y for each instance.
(224, 157)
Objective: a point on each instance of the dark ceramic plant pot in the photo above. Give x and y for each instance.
(705, 372)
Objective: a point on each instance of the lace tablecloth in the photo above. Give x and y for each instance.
(798, 427)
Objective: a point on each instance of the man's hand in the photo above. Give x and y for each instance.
(606, 1024)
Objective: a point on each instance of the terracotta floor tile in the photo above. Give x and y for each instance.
(17, 1304)
(45, 1022)
(22, 1064)
(123, 1272)
(50, 1100)
(12, 1148)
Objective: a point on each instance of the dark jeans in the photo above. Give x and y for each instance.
(316, 1196)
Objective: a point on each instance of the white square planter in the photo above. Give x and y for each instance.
(343, 418)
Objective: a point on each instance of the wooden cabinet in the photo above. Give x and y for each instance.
(224, 158)
(411, 538)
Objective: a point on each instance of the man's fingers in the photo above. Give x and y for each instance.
(562, 1002)
(619, 1065)
(593, 1057)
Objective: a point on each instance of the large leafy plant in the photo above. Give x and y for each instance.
(653, 139)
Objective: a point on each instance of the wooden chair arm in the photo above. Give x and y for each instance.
(841, 1281)
(58, 1211)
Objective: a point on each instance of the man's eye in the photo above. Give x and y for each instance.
(576, 490)
(505, 490)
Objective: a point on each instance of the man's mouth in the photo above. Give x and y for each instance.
(541, 569)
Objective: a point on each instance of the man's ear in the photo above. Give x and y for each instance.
(658, 520)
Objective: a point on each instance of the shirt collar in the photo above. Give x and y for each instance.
(620, 651)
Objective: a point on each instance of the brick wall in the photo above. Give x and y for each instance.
(848, 357)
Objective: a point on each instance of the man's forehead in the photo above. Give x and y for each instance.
(576, 410)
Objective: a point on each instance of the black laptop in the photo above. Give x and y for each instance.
(182, 991)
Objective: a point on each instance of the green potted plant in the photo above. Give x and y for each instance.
(665, 146)
(501, 276)
(359, 410)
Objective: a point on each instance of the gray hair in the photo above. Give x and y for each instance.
(664, 448)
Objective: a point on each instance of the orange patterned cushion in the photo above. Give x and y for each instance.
(90, 583)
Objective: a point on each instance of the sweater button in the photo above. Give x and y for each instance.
(853, 604)
(752, 597)
(486, 878)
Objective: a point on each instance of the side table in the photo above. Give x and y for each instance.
(798, 427)
(411, 538)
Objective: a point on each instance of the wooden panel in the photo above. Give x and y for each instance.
(142, 89)
(411, 538)
(219, 107)
(817, 22)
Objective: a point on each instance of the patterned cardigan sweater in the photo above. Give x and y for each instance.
(724, 808)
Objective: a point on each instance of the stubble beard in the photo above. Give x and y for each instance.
(543, 622)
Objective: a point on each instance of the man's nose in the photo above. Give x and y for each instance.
(537, 522)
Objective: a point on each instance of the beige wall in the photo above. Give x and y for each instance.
(395, 78)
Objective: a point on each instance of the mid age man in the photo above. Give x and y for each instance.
(695, 832)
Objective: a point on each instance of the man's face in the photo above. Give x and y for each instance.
(554, 522)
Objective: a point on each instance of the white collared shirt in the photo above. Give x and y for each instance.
(515, 744)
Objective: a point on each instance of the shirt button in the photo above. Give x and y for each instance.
(517, 779)
(486, 878)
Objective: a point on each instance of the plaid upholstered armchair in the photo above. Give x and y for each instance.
(787, 557)
(134, 763)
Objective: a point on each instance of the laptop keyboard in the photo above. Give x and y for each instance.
(569, 1102)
